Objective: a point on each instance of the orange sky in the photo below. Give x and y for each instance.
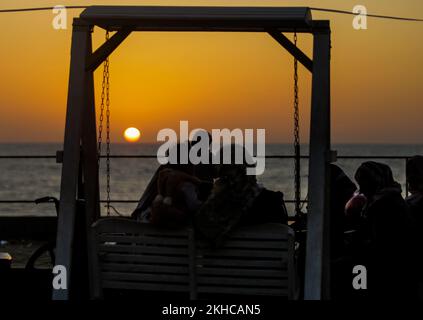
(219, 80)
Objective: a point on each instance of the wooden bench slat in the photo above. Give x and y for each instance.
(142, 239)
(241, 263)
(145, 277)
(130, 226)
(109, 284)
(263, 273)
(242, 253)
(140, 249)
(144, 268)
(241, 282)
(247, 243)
(143, 233)
(115, 257)
(244, 291)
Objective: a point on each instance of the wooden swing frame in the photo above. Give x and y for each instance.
(80, 176)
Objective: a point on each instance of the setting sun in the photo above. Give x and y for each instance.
(132, 134)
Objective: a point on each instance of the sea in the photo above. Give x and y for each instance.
(26, 179)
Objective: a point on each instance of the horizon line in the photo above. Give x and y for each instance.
(267, 143)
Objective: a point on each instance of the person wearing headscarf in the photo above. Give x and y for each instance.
(236, 198)
(384, 232)
(231, 196)
(414, 173)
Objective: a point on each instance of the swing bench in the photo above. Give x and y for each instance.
(125, 254)
(253, 261)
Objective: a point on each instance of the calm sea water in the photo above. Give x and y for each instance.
(28, 179)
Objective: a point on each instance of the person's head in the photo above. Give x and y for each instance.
(199, 136)
(373, 177)
(414, 172)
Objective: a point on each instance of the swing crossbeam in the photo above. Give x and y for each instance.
(80, 157)
(176, 18)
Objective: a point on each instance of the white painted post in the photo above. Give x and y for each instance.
(90, 168)
(317, 251)
(89, 150)
(71, 156)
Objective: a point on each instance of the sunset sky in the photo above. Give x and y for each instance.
(218, 80)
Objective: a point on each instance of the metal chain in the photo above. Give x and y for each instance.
(297, 150)
(103, 94)
(108, 131)
(105, 102)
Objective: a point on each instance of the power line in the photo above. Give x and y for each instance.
(311, 8)
(367, 15)
(39, 9)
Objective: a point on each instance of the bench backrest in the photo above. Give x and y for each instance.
(254, 260)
